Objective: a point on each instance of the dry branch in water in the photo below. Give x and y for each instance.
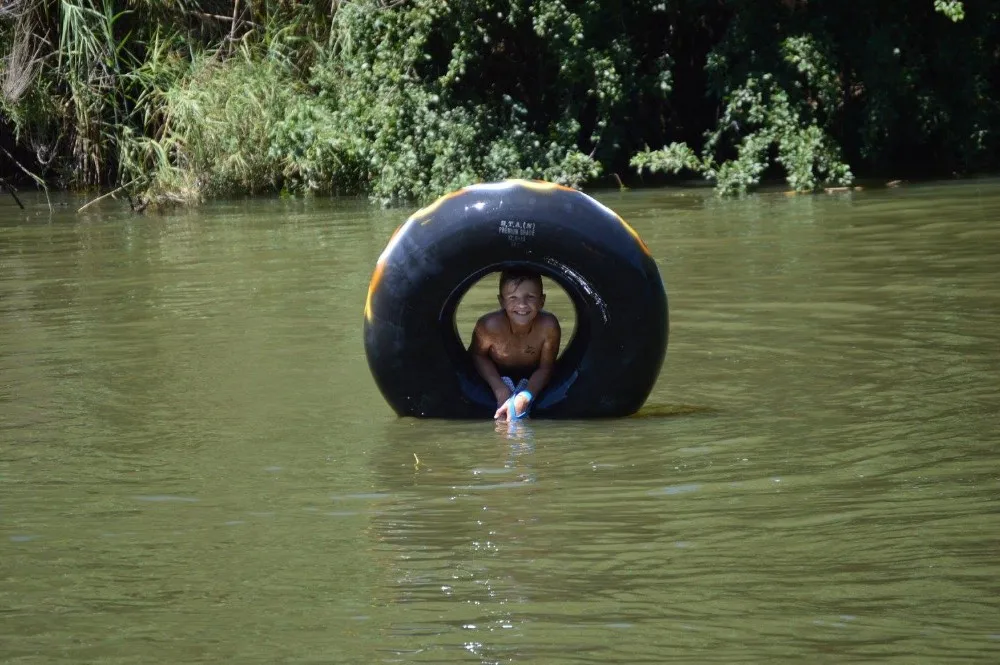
(6, 185)
(38, 180)
(111, 193)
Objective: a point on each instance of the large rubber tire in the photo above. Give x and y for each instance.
(414, 351)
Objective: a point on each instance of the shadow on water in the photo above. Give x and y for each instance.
(674, 410)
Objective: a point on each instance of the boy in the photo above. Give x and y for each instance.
(519, 342)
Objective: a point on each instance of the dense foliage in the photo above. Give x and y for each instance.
(406, 99)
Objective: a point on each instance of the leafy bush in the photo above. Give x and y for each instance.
(762, 119)
(400, 119)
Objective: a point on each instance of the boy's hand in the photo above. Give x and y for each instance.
(519, 403)
(503, 412)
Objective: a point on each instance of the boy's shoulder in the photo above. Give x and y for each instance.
(548, 317)
(493, 321)
(546, 320)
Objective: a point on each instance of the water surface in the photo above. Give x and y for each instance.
(196, 467)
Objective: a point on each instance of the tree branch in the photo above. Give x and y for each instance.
(10, 189)
(38, 181)
(104, 196)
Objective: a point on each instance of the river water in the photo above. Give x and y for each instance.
(196, 466)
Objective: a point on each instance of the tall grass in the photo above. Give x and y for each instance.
(185, 111)
(210, 128)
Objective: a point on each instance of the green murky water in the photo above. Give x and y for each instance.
(196, 467)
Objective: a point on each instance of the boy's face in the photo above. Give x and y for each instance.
(522, 301)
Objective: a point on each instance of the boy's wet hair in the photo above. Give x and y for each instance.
(518, 275)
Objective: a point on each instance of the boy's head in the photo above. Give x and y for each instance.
(521, 295)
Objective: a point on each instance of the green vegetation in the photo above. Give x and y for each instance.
(401, 100)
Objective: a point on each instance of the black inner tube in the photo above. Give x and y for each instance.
(412, 343)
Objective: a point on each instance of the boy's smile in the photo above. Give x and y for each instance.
(522, 302)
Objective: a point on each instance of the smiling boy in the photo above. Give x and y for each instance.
(514, 349)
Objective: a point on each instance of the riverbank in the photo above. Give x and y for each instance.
(401, 102)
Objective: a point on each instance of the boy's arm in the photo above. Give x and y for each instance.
(547, 359)
(540, 377)
(480, 350)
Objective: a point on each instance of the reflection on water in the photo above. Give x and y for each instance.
(521, 441)
(195, 465)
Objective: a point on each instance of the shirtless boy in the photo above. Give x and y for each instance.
(519, 341)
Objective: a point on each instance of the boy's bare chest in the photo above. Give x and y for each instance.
(517, 350)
